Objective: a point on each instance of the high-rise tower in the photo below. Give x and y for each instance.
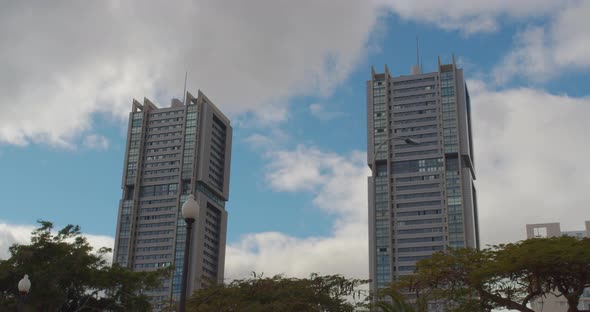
(171, 153)
(421, 193)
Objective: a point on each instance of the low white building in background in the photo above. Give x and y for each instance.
(551, 303)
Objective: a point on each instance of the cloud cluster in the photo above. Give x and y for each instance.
(338, 184)
(530, 160)
(530, 164)
(544, 52)
(63, 62)
(96, 141)
(471, 17)
(321, 112)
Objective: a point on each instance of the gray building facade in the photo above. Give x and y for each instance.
(422, 197)
(171, 153)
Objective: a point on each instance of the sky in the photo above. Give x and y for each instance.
(291, 76)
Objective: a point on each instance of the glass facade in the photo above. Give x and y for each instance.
(452, 171)
(382, 229)
(449, 112)
(380, 118)
(134, 146)
(190, 141)
(124, 232)
(454, 203)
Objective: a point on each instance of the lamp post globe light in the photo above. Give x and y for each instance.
(24, 285)
(190, 211)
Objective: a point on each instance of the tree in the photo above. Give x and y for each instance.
(504, 276)
(392, 300)
(67, 276)
(330, 293)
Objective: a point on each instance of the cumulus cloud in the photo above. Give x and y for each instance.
(544, 52)
(95, 141)
(21, 234)
(274, 138)
(530, 164)
(338, 184)
(13, 234)
(471, 17)
(63, 62)
(530, 160)
(320, 111)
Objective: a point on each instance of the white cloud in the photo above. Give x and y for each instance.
(95, 141)
(274, 138)
(56, 76)
(471, 16)
(64, 62)
(530, 160)
(11, 234)
(298, 170)
(338, 184)
(530, 164)
(319, 111)
(544, 52)
(21, 234)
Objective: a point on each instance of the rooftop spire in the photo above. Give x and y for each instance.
(417, 52)
(417, 69)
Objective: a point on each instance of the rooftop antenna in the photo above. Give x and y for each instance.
(184, 93)
(416, 70)
(417, 52)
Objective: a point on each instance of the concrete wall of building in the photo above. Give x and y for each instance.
(414, 110)
(163, 133)
(543, 230)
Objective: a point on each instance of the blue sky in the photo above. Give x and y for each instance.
(293, 83)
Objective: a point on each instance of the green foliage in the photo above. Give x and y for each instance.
(331, 293)
(67, 276)
(392, 300)
(504, 276)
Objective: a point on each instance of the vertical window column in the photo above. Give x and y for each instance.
(380, 118)
(134, 144)
(124, 233)
(449, 112)
(382, 229)
(454, 204)
(190, 141)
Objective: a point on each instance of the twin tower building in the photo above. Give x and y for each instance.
(171, 153)
(421, 193)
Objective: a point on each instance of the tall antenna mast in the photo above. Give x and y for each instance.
(416, 69)
(184, 93)
(417, 52)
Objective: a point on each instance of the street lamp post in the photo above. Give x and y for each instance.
(24, 285)
(190, 210)
(407, 140)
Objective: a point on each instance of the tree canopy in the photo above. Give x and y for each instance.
(66, 275)
(330, 293)
(392, 300)
(504, 276)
